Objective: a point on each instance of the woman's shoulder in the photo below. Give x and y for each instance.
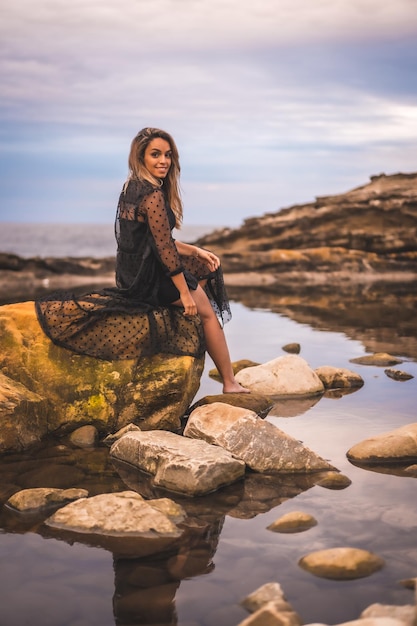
(135, 189)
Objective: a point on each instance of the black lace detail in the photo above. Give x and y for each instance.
(134, 318)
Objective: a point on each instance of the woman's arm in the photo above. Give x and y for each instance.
(208, 258)
(186, 298)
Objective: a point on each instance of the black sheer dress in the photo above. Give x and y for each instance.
(135, 319)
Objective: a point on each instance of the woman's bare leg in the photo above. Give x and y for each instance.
(216, 343)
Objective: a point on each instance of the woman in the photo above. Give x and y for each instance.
(162, 284)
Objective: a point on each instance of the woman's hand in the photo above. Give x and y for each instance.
(209, 258)
(187, 301)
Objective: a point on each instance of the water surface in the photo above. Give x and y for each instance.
(228, 551)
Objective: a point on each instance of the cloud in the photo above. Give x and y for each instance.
(263, 92)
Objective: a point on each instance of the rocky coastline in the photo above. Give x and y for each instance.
(177, 470)
(362, 237)
(365, 235)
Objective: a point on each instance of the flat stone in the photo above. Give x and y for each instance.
(42, 497)
(120, 514)
(338, 377)
(294, 522)
(177, 463)
(395, 446)
(398, 374)
(381, 359)
(341, 563)
(256, 402)
(288, 375)
(260, 444)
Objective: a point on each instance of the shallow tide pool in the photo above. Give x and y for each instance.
(229, 553)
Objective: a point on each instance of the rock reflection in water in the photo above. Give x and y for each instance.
(145, 589)
(145, 585)
(382, 315)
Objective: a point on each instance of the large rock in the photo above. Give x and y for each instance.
(45, 388)
(288, 376)
(260, 444)
(122, 522)
(177, 463)
(395, 446)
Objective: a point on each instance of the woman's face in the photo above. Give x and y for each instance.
(158, 157)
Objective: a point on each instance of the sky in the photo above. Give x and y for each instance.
(271, 103)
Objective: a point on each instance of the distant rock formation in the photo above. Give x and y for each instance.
(371, 230)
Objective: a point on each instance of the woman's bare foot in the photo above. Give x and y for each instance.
(235, 388)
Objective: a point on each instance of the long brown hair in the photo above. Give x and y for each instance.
(138, 171)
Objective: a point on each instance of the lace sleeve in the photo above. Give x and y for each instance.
(154, 207)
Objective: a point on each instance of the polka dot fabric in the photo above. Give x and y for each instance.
(128, 321)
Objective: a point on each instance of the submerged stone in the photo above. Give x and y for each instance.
(341, 563)
(294, 522)
(380, 359)
(398, 374)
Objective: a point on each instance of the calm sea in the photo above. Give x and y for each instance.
(78, 240)
(45, 581)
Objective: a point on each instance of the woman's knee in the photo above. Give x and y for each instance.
(204, 307)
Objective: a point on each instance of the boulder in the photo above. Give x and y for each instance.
(288, 375)
(177, 463)
(46, 389)
(338, 377)
(395, 446)
(341, 563)
(261, 445)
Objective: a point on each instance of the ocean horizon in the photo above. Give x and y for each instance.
(75, 240)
